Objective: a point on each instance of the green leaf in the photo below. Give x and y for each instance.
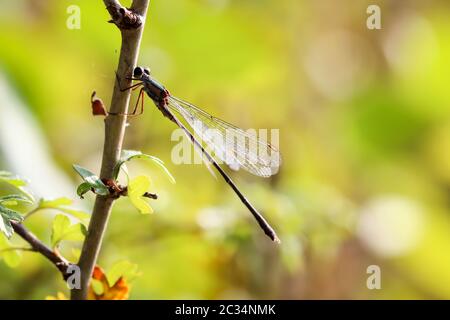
(136, 188)
(62, 229)
(11, 214)
(80, 215)
(94, 181)
(83, 188)
(6, 227)
(59, 204)
(11, 258)
(6, 216)
(9, 203)
(11, 179)
(97, 286)
(14, 198)
(54, 203)
(128, 155)
(120, 269)
(16, 182)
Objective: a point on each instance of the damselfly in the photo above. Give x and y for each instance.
(262, 160)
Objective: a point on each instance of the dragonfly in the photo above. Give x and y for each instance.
(235, 155)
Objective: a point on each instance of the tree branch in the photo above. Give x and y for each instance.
(122, 17)
(38, 246)
(130, 23)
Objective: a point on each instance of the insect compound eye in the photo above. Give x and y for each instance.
(147, 71)
(137, 72)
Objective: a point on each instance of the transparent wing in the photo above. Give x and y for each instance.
(235, 147)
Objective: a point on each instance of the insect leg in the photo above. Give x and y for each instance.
(132, 114)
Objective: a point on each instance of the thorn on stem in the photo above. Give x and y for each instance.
(98, 107)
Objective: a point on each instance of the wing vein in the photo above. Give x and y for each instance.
(232, 145)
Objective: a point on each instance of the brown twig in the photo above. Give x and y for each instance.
(122, 17)
(38, 246)
(130, 23)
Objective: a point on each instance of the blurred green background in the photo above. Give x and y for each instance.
(364, 134)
